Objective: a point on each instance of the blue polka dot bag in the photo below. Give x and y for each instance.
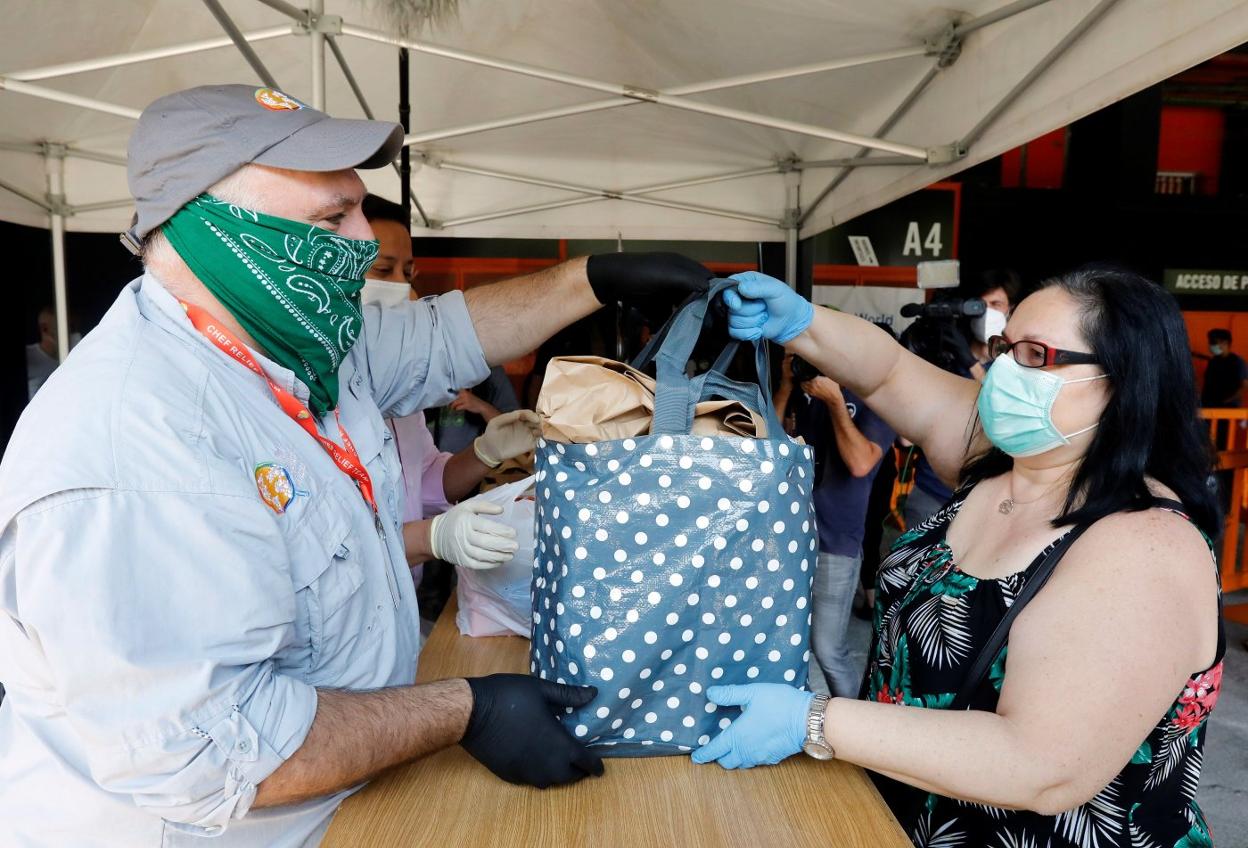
(671, 562)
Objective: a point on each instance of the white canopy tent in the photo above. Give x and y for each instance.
(672, 119)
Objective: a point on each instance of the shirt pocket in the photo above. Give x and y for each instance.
(336, 615)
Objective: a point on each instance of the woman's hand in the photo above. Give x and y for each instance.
(771, 727)
(762, 307)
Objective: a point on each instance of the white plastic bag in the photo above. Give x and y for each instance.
(497, 602)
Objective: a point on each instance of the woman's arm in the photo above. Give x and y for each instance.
(925, 404)
(921, 402)
(1094, 662)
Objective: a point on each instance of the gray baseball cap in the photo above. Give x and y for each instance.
(187, 141)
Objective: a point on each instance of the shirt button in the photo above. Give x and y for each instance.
(243, 746)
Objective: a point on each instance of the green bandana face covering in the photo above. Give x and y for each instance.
(293, 287)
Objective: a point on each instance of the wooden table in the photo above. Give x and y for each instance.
(451, 800)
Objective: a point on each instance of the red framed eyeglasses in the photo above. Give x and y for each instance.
(1032, 354)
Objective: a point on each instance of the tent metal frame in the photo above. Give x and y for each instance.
(324, 30)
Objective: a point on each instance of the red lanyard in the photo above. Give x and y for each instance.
(345, 457)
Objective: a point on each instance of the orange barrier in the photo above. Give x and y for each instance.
(1228, 429)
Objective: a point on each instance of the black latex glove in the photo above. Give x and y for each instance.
(643, 276)
(514, 733)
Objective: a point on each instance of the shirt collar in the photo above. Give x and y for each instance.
(150, 290)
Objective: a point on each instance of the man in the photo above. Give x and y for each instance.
(849, 441)
(432, 480)
(41, 357)
(205, 622)
(999, 290)
(1225, 374)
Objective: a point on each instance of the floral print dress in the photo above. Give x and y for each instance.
(931, 621)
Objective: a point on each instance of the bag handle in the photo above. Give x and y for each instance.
(676, 394)
(988, 654)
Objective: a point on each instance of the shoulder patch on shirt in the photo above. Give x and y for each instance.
(276, 486)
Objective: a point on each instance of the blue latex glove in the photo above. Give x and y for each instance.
(771, 727)
(762, 307)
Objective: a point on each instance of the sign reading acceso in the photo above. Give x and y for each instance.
(1187, 281)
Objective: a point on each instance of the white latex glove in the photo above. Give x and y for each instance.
(461, 536)
(508, 435)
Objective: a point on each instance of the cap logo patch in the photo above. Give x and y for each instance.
(276, 101)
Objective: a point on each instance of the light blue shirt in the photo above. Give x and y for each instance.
(181, 566)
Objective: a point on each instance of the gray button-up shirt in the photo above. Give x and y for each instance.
(181, 566)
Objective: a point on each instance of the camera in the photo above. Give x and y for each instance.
(803, 370)
(937, 309)
(940, 332)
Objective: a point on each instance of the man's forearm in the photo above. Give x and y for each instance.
(417, 544)
(859, 453)
(513, 317)
(356, 735)
(462, 473)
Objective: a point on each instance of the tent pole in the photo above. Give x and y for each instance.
(120, 203)
(315, 12)
(693, 88)
(236, 36)
(797, 71)
(405, 120)
(52, 94)
(889, 123)
(1085, 24)
(54, 159)
(604, 194)
(792, 212)
(286, 9)
(523, 210)
(29, 198)
(1009, 10)
(121, 59)
(697, 181)
(350, 77)
(872, 161)
(632, 92)
(95, 156)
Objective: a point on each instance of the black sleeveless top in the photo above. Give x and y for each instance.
(931, 620)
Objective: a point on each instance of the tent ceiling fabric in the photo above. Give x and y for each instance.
(653, 45)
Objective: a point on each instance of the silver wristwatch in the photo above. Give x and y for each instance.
(816, 745)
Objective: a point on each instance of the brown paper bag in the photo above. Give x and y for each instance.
(592, 399)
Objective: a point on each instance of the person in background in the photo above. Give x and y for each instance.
(467, 416)
(1225, 375)
(849, 441)
(999, 290)
(41, 357)
(433, 480)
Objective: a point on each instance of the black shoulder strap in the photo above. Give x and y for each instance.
(988, 654)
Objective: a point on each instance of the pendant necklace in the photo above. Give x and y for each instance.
(1007, 505)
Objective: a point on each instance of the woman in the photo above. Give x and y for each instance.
(1090, 732)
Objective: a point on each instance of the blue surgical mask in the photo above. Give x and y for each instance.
(1016, 408)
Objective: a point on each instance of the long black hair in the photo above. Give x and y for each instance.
(1150, 427)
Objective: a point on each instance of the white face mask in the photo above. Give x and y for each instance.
(991, 323)
(385, 293)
